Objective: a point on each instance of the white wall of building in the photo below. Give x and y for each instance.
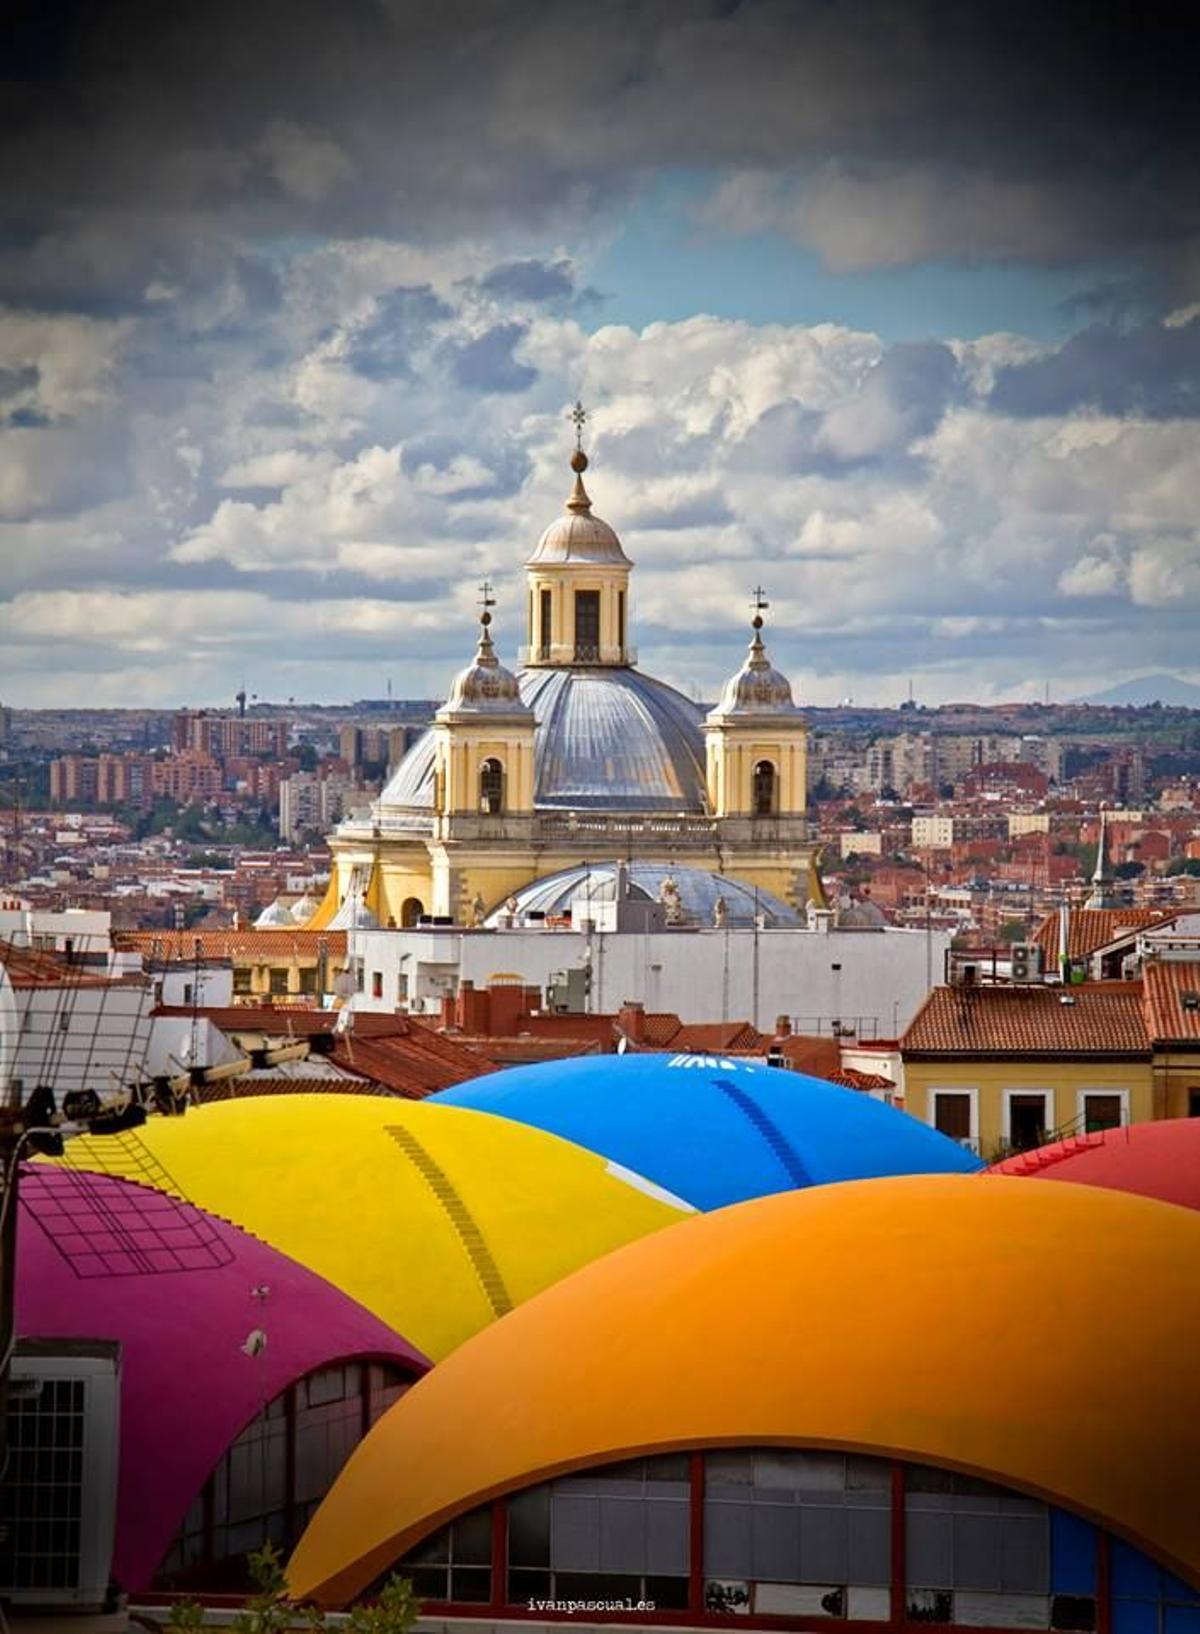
(699, 974)
(932, 833)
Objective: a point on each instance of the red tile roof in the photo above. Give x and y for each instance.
(31, 967)
(258, 945)
(1089, 929)
(1099, 1018)
(1169, 1019)
(413, 1063)
(523, 1049)
(404, 1055)
(850, 1078)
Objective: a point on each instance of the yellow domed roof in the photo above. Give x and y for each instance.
(436, 1219)
(1041, 1337)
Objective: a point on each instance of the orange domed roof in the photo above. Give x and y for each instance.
(1044, 1337)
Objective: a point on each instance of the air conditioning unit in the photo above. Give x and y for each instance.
(58, 1495)
(1026, 962)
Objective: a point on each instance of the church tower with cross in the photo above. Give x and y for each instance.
(757, 741)
(580, 766)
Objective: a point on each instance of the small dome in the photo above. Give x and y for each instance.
(485, 686)
(862, 914)
(277, 917)
(699, 892)
(579, 536)
(304, 908)
(353, 915)
(758, 688)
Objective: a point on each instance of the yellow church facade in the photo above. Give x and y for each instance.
(581, 760)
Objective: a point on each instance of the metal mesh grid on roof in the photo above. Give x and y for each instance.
(134, 1228)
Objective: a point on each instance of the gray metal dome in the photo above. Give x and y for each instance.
(606, 740)
(699, 890)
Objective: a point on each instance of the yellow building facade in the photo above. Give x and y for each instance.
(580, 757)
(1007, 1068)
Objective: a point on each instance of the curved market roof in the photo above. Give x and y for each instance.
(919, 1318)
(711, 1129)
(436, 1219)
(106, 1259)
(1159, 1159)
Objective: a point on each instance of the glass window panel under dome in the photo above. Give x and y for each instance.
(529, 1528)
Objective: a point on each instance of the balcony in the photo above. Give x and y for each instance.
(581, 654)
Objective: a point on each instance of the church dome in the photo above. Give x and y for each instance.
(699, 891)
(578, 536)
(605, 740)
(276, 917)
(758, 688)
(485, 686)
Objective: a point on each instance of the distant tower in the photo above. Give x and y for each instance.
(1103, 895)
(240, 699)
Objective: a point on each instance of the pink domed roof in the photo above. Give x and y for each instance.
(100, 1258)
(1159, 1160)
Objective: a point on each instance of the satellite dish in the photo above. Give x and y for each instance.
(254, 1343)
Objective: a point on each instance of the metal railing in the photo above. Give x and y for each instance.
(836, 1026)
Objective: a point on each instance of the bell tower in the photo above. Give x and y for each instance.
(483, 739)
(757, 741)
(578, 584)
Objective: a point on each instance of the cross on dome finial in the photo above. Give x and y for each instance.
(579, 460)
(758, 605)
(579, 416)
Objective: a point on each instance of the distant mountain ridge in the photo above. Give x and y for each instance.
(1149, 689)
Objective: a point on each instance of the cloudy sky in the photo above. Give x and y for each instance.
(891, 307)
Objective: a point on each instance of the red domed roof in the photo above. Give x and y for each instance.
(1153, 1159)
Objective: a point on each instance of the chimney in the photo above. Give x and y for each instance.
(631, 1018)
(783, 1026)
(474, 1009)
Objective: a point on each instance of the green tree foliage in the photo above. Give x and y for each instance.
(269, 1611)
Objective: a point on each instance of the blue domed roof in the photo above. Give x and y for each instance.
(699, 890)
(713, 1130)
(607, 739)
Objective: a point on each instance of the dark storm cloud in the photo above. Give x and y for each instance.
(1152, 369)
(487, 363)
(530, 281)
(133, 128)
(382, 348)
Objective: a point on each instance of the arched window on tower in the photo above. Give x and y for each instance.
(491, 787)
(765, 793)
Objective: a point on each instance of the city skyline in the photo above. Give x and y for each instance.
(894, 310)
